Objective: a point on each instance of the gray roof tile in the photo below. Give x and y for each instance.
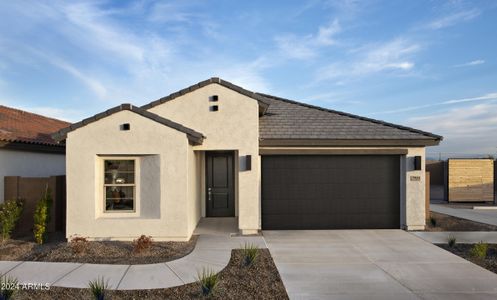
(287, 119)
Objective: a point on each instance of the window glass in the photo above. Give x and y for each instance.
(119, 185)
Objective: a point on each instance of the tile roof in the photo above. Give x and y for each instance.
(18, 126)
(193, 136)
(286, 120)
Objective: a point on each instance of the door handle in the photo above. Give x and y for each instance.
(209, 194)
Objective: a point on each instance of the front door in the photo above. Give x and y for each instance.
(220, 200)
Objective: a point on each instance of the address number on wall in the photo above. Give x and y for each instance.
(415, 178)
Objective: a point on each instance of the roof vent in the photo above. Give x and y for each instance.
(214, 108)
(125, 126)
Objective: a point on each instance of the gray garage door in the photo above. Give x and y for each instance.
(330, 191)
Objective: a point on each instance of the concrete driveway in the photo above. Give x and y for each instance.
(373, 264)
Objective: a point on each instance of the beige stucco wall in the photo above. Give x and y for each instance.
(415, 191)
(194, 188)
(412, 195)
(164, 159)
(234, 127)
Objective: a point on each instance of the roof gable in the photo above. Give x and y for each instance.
(193, 136)
(18, 126)
(291, 120)
(262, 101)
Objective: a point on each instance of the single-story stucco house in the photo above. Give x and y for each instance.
(215, 149)
(26, 146)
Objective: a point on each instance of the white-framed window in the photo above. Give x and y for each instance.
(120, 184)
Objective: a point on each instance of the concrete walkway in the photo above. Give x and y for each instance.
(373, 264)
(478, 215)
(213, 251)
(465, 237)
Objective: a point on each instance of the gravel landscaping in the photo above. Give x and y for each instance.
(450, 223)
(106, 252)
(464, 251)
(261, 280)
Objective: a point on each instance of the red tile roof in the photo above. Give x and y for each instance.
(25, 127)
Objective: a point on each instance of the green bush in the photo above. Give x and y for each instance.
(8, 286)
(479, 250)
(433, 222)
(250, 253)
(42, 217)
(10, 212)
(451, 240)
(208, 280)
(98, 288)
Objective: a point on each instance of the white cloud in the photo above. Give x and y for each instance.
(465, 129)
(326, 34)
(394, 55)
(92, 29)
(471, 63)
(68, 115)
(57, 113)
(94, 85)
(294, 47)
(453, 19)
(305, 47)
(98, 88)
(486, 97)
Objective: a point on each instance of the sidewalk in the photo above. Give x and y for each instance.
(468, 237)
(479, 215)
(213, 251)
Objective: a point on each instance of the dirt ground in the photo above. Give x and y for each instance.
(463, 250)
(106, 252)
(450, 223)
(259, 281)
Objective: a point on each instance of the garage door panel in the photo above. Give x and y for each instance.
(330, 192)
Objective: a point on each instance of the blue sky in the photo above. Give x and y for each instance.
(427, 64)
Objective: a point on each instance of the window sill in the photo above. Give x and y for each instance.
(118, 215)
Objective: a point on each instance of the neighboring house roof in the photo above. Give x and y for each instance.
(18, 126)
(263, 103)
(288, 122)
(193, 136)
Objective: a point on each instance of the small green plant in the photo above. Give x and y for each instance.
(433, 222)
(208, 280)
(98, 288)
(8, 287)
(142, 243)
(10, 212)
(451, 241)
(479, 250)
(250, 253)
(42, 217)
(78, 244)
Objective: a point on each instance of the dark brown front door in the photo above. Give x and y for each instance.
(220, 200)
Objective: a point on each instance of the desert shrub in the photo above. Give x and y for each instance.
(208, 281)
(451, 241)
(250, 253)
(10, 212)
(78, 244)
(42, 217)
(142, 243)
(433, 222)
(98, 287)
(479, 250)
(8, 287)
